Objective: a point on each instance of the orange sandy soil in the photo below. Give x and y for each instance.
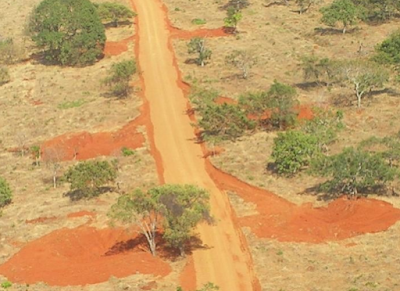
(79, 256)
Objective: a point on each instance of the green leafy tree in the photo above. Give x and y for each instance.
(293, 150)
(388, 52)
(4, 76)
(5, 193)
(352, 171)
(343, 11)
(114, 13)
(242, 60)
(69, 32)
(179, 208)
(279, 102)
(378, 10)
(283, 104)
(197, 46)
(87, 178)
(232, 19)
(119, 77)
(225, 121)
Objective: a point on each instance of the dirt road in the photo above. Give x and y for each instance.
(226, 262)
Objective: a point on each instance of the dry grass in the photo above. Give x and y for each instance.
(279, 37)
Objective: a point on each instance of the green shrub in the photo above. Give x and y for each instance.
(198, 21)
(9, 53)
(88, 177)
(119, 76)
(6, 284)
(353, 171)
(69, 32)
(126, 152)
(114, 13)
(71, 104)
(4, 76)
(5, 193)
(293, 150)
(388, 52)
(226, 121)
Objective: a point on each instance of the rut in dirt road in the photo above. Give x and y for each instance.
(226, 260)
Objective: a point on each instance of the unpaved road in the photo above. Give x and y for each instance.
(226, 262)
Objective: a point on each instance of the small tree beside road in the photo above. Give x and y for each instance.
(178, 208)
(197, 46)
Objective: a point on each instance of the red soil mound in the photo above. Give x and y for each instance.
(80, 256)
(187, 279)
(84, 145)
(285, 221)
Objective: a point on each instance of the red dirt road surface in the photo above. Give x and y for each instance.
(226, 262)
(80, 256)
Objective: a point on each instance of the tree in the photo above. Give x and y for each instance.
(179, 207)
(225, 121)
(293, 150)
(68, 31)
(388, 52)
(119, 76)
(114, 13)
(197, 45)
(52, 158)
(232, 19)
(343, 11)
(363, 76)
(242, 60)
(87, 178)
(352, 171)
(5, 193)
(316, 69)
(283, 102)
(378, 10)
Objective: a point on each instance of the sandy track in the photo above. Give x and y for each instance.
(226, 262)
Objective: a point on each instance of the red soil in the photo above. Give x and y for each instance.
(114, 48)
(81, 213)
(285, 221)
(81, 256)
(84, 145)
(187, 279)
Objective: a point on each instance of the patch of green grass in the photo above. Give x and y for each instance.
(6, 284)
(126, 152)
(71, 104)
(199, 21)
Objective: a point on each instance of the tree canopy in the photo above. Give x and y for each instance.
(343, 11)
(114, 13)
(179, 208)
(87, 178)
(69, 32)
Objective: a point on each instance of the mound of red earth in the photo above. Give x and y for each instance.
(80, 256)
(114, 48)
(85, 145)
(282, 220)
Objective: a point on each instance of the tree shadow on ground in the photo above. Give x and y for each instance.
(333, 31)
(79, 194)
(164, 251)
(310, 85)
(112, 24)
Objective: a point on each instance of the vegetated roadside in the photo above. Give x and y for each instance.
(278, 37)
(40, 102)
